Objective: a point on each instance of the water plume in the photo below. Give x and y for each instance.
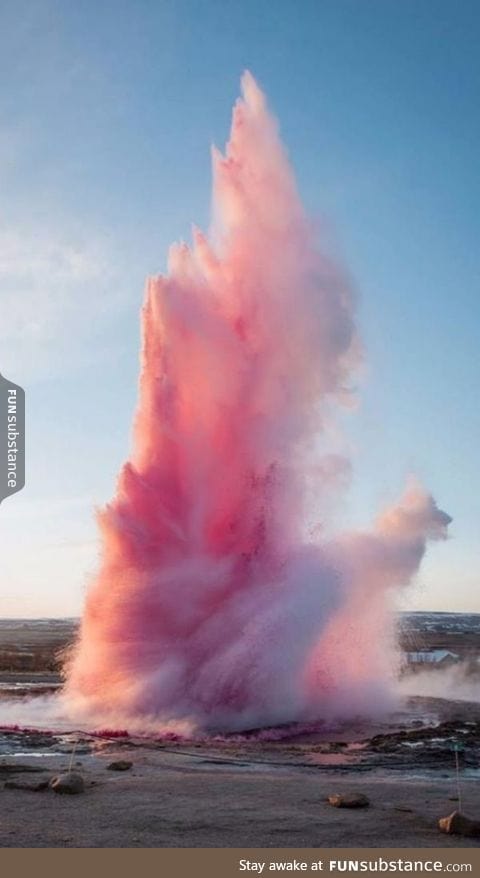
(212, 605)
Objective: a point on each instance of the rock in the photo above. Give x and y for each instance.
(120, 765)
(32, 787)
(350, 800)
(70, 783)
(458, 824)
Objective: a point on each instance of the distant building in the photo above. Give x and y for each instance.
(438, 658)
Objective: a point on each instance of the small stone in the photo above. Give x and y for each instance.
(70, 783)
(349, 800)
(120, 765)
(458, 824)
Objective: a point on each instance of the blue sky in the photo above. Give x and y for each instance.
(107, 113)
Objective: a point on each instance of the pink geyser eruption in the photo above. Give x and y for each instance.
(212, 606)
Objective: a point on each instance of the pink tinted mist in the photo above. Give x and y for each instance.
(212, 606)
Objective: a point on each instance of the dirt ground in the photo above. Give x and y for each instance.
(178, 799)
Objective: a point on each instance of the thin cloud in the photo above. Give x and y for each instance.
(54, 288)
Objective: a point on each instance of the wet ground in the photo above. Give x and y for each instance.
(426, 733)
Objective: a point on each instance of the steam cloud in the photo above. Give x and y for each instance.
(211, 606)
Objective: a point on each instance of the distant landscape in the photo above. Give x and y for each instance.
(458, 632)
(37, 646)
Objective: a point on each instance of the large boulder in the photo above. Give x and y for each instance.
(69, 783)
(458, 824)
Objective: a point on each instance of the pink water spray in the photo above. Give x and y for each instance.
(220, 601)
